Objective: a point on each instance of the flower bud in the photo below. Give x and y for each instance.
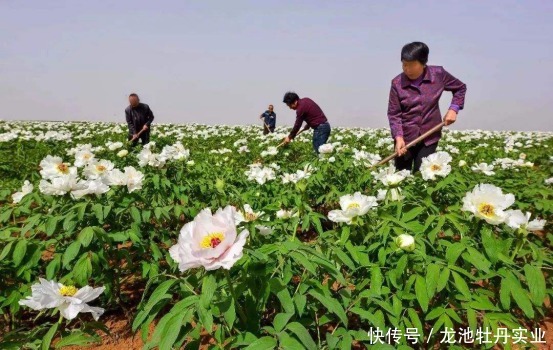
(405, 242)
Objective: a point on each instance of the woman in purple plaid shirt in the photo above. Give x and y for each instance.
(413, 107)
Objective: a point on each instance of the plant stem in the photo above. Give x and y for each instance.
(231, 287)
(519, 245)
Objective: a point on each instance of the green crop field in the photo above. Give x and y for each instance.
(212, 235)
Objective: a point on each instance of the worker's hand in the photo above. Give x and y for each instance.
(400, 146)
(287, 140)
(450, 117)
(145, 127)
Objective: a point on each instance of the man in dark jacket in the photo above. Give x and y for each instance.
(309, 112)
(139, 118)
(269, 120)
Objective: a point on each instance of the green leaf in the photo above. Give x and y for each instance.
(461, 285)
(171, 332)
(77, 338)
(71, 253)
(86, 235)
(135, 214)
(343, 257)
(443, 279)
(82, 270)
(520, 296)
(477, 259)
(413, 213)
(19, 251)
(47, 339)
(332, 305)
(432, 276)
(265, 343)
(53, 267)
(416, 321)
(303, 335)
(453, 252)
(505, 294)
(209, 284)
(283, 295)
(421, 293)
(536, 283)
(51, 225)
(6, 251)
(158, 295)
(98, 211)
(434, 313)
(281, 320)
(376, 279)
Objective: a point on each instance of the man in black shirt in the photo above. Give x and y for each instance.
(139, 118)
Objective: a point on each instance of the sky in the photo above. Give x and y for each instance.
(224, 62)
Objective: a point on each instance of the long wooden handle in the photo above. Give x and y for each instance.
(137, 135)
(412, 143)
(282, 143)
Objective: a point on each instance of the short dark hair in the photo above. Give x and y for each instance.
(415, 51)
(290, 97)
(134, 95)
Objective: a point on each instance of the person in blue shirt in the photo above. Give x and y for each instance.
(269, 120)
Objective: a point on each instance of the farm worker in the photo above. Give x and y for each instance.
(269, 120)
(309, 112)
(139, 118)
(413, 106)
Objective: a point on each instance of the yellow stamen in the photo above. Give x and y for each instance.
(212, 240)
(100, 168)
(486, 209)
(86, 156)
(63, 168)
(354, 206)
(250, 216)
(436, 167)
(68, 291)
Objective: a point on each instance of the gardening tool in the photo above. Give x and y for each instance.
(282, 143)
(412, 143)
(267, 126)
(137, 135)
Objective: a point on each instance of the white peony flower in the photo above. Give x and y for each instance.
(518, 220)
(394, 193)
(462, 163)
(96, 170)
(271, 151)
(52, 167)
(488, 202)
(405, 242)
(122, 153)
(549, 181)
(210, 240)
(134, 179)
(285, 214)
(25, 190)
(83, 158)
(69, 300)
(112, 146)
(436, 164)
(327, 148)
(483, 168)
(247, 215)
(96, 187)
(260, 174)
(352, 206)
(58, 186)
(390, 177)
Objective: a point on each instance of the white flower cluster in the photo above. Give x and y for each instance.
(59, 178)
(158, 160)
(488, 202)
(260, 174)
